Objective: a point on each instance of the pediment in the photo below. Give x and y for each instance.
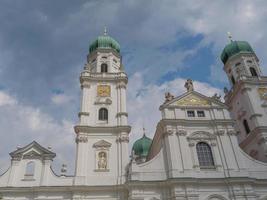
(32, 154)
(32, 150)
(194, 99)
(201, 135)
(103, 100)
(102, 143)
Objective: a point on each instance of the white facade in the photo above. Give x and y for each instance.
(247, 103)
(174, 168)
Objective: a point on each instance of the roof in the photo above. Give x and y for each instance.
(193, 99)
(141, 146)
(104, 42)
(234, 48)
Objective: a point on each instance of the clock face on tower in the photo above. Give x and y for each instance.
(103, 90)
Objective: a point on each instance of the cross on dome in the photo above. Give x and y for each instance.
(230, 36)
(105, 31)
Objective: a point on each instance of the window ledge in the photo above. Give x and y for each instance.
(28, 177)
(207, 167)
(101, 170)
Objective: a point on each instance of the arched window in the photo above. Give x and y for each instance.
(246, 127)
(233, 80)
(103, 114)
(104, 68)
(204, 155)
(29, 172)
(253, 71)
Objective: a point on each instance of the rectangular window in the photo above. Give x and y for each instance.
(200, 113)
(190, 113)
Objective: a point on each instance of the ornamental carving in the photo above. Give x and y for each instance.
(121, 85)
(81, 139)
(168, 132)
(191, 144)
(231, 132)
(123, 139)
(201, 135)
(181, 133)
(103, 90)
(193, 100)
(85, 85)
(219, 132)
(102, 144)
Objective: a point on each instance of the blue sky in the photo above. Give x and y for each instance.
(43, 47)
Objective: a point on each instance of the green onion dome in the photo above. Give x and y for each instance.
(141, 146)
(234, 48)
(104, 42)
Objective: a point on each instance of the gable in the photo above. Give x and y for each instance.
(34, 151)
(194, 99)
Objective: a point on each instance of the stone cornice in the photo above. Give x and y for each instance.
(89, 76)
(101, 129)
(203, 181)
(83, 113)
(121, 114)
(66, 188)
(185, 122)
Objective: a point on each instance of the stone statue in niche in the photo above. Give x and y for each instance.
(189, 85)
(102, 160)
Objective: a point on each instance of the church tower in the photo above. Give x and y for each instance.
(102, 133)
(247, 98)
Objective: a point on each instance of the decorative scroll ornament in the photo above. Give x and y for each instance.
(263, 93)
(103, 90)
(123, 139)
(81, 139)
(181, 132)
(219, 132)
(231, 132)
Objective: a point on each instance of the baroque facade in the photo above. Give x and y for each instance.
(202, 148)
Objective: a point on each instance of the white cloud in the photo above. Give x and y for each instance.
(144, 27)
(5, 99)
(23, 124)
(60, 99)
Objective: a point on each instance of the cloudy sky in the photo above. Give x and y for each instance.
(43, 48)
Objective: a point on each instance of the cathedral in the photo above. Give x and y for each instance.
(203, 148)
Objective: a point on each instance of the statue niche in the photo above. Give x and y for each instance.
(102, 160)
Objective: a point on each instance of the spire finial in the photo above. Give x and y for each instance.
(144, 130)
(230, 36)
(105, 30)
